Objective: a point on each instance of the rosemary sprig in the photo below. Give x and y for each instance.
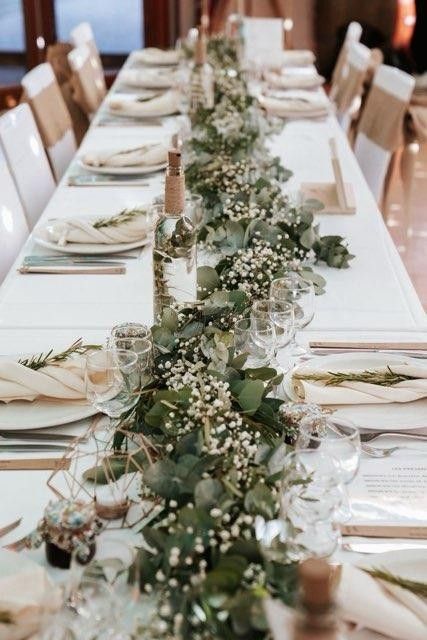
(5, 617)
(44, 359)
(386, 378)
(419, 588)
(121, 218)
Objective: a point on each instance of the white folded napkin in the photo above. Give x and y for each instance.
(363, 392)
(294, 80)
(65, 380)
(377, 605)
(164, 105)
(147, 155)
(298, 58)
(296, 106)
(366, 602)
(152, 55)
(26, 594)
(148, 78)
(82, 231)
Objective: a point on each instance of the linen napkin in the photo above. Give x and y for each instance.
(285, 80)
(83, 231)
(148, 78)
(363, 392)
(296, 105)
(145, 156)
(26, 595)
(380, 606)
(164, 105)
(366, 602)
(65, 380)
(154, 56)
(298, 58)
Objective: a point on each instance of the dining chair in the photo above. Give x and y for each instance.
(349, 87)
(380, 129)
(88, 87)
(44, 96)
(27, 160)
(353, 34)
(13, 224)
(81, 35)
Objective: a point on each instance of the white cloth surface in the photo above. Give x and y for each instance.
(163, 105)
(297, 58)
(145, 156)
(153, 56)
(294, 80)
(26, 595)
(362, 392)
(64, 380)
(148, 78)
(82, 231)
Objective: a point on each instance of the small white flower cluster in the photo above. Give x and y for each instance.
(252, 269)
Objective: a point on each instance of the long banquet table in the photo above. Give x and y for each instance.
(373, 299)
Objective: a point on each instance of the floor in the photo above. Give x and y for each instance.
(414, 249)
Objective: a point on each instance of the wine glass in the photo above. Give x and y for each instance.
(294, 289)
(112, 381)
(309, 498)
(263, 335)
(282, 316)
(339, 438)
(143, 348)
(245, 344)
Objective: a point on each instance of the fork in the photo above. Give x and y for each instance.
(369, 437)
(377, 452)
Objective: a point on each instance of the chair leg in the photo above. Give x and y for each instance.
(387, 185)
(407, 172)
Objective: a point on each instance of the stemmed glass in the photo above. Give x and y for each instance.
(113, 381)
(294, 289)
(309, 498)
(281, 314)
(256, 340)
(341, 439)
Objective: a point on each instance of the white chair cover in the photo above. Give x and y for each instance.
(88, 79)
(348, 90)
(52, 116)
(82, 35)
(13, 225)
(353, 34)
(372, 153)
(27, 160)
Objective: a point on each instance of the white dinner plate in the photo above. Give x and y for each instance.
(392, 416)
(410, 564)
(41, 238)
(40, 413)
(123, 171)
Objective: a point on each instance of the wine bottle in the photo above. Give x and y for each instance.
(174, 252)
(316, 617)
(201, 78)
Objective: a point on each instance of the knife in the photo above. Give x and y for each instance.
(94, 181)
(381, 547)
(70, 262)
(23, 448)
(34, 435)
(64, 270)
(79, 256)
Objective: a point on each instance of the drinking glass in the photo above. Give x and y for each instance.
(193, 207)
(112, 381)
(309, 498)
(339, 438)
(281, 315)
(244, 343)
(264, 335)
(143, 348)
(294, 289)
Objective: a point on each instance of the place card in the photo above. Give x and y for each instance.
(388, 498)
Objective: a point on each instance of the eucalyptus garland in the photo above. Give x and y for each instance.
(214, 432)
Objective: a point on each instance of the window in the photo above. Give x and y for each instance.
(117, 24)
(12, 37)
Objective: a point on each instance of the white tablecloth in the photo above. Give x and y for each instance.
(373, 299)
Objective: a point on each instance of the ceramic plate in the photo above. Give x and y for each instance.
(23, 415)
(393, 416)
(41, 237)
(123, 171)
(410, 564)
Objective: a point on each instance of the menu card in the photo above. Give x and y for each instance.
(388, 497)
(263, 40)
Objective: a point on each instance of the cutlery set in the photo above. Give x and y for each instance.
(74, 264)
(105, 181)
